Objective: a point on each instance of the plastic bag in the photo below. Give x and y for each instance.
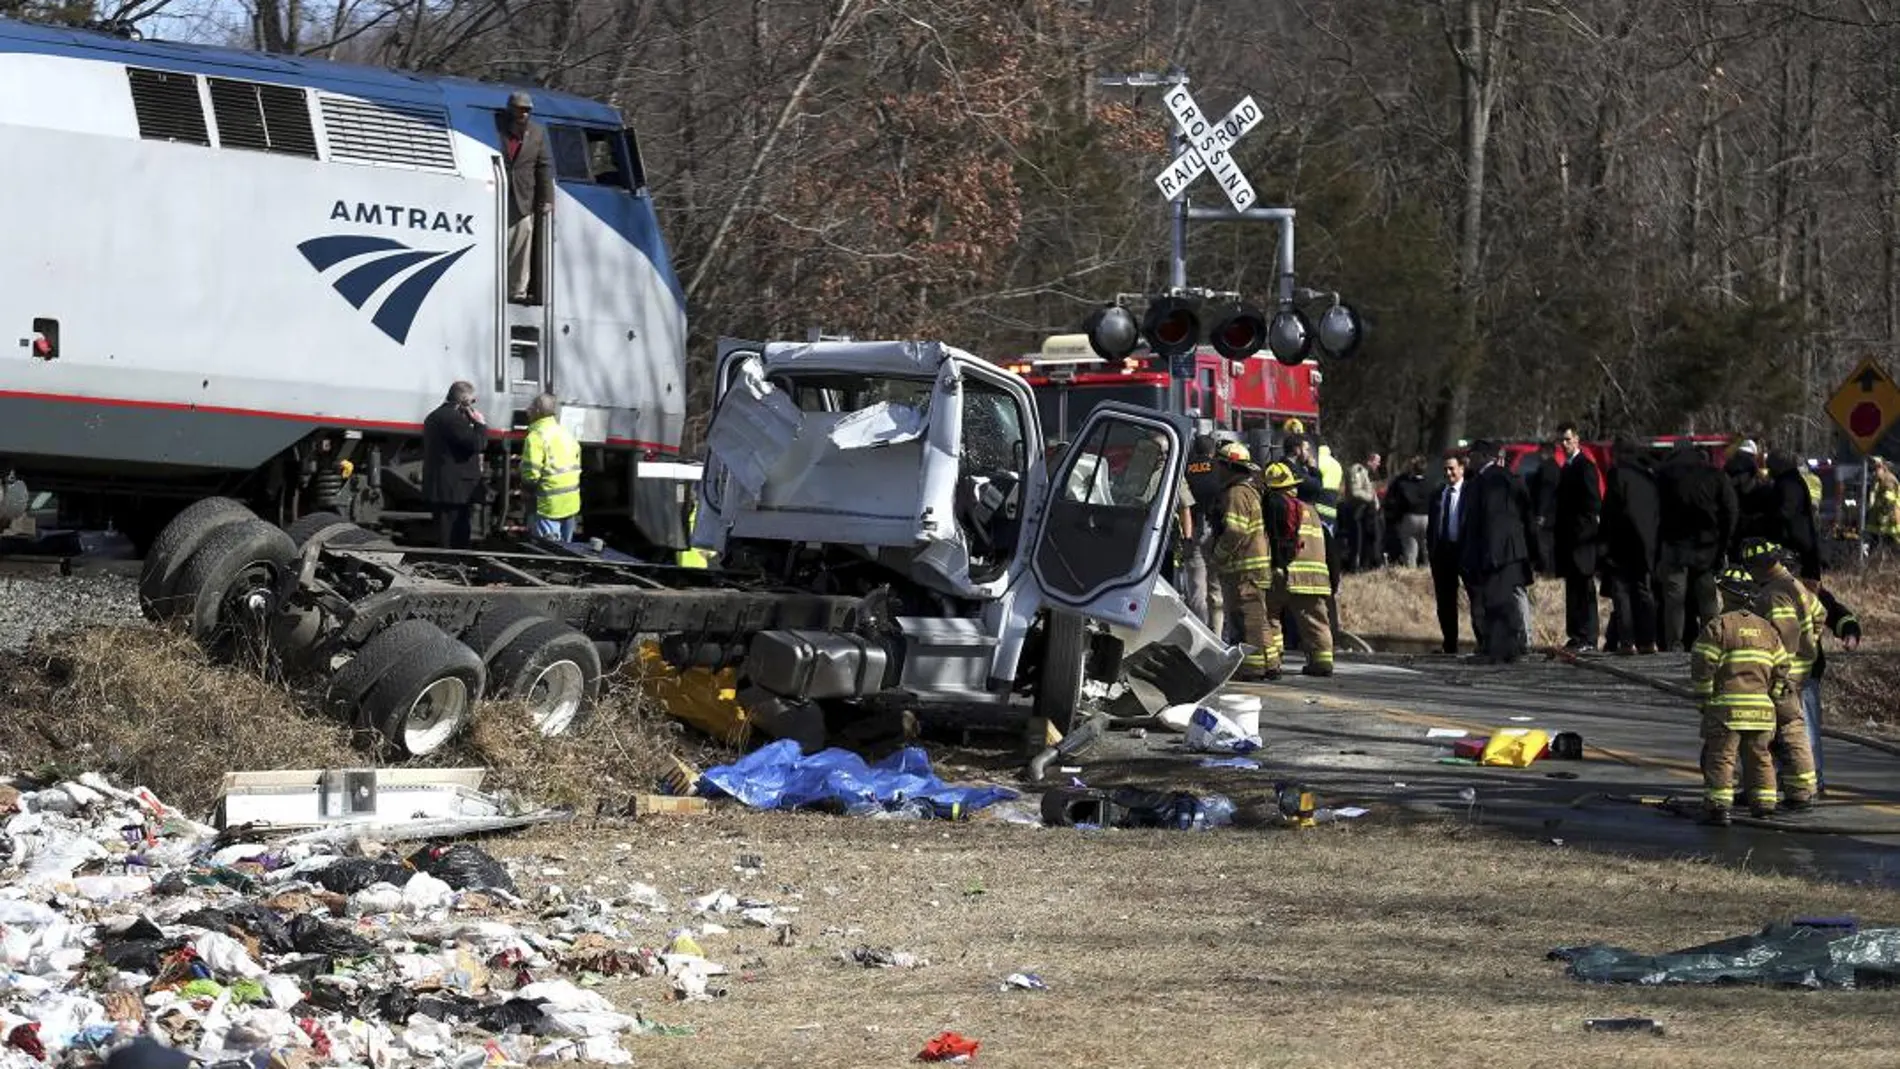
(352, 874)
(312, 936)
(1514, 747)
(424, 892)
(248, 917)
(1214, 732)
(464, 867)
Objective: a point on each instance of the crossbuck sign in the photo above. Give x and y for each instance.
(1209, 148)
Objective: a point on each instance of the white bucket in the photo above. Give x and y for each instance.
(1243, 710)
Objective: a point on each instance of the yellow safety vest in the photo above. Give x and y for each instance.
(690, 557)
(551, 465)
(1883, 516)
(1306, 573)
(1813, 482)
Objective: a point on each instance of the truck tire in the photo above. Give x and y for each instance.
(426, 699)
(373, 660)
(552, 668)
(497, 626)
(158, 577)
(301, 528)
(1065, 649)
(239, 561)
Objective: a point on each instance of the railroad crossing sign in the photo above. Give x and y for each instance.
(1866, 406)
(1208, 148)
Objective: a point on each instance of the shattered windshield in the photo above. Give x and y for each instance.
(849, 393)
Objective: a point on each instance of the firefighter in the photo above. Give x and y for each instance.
(1800, 620)
(1740, 672)
(1240, 556)
(1332, 482)
(1298, 545)
(1883, 506)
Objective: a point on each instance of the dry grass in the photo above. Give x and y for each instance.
(1397, 604)
(1341, 946)
(142, 705)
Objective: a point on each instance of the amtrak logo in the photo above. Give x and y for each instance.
(375, 261)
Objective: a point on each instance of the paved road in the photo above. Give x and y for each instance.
(1361, 738)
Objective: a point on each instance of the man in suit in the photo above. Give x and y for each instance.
(1632, 510)
(1441, 550)
(1574, 545)
(524, 144)
(453, 437)
(1497, 553)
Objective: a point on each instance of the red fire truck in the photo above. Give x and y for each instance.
(1257, 395)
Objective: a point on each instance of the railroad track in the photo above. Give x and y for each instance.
(39, 566)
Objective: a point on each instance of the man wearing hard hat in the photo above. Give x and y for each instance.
(1300, 583)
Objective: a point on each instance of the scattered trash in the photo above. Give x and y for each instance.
(948, 1047)
(1230, 762)
(1138, 733)
(1445, 733)
(228, 950)
(650, 805)
(1133, 807)
(1176, 717)
(1623, 1024)
(1023, 981)
(883, 958)
(779, 776)
(1566, 746)
(1348, 812)
(1213, 732)
(1515, 747)
(1522, 719)
(1783, 955)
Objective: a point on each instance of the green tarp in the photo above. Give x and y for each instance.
(1787, 955)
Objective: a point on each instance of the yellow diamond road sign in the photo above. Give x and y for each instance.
(1866, 406)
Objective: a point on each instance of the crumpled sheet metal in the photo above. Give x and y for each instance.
(1781, 955)
(242, 951)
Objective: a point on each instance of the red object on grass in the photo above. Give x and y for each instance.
(948, 1046)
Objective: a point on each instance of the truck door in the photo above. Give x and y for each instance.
(1107, 513)
(709, 523)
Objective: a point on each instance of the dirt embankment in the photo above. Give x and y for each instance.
(143, 705)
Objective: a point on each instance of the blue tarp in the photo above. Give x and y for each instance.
(779, 776)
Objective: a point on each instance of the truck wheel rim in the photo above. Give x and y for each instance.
(555, 697)
(435, 715)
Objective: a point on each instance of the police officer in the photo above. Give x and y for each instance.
(1298, 545)
(1204, 490)
(1245, 564)
(1800, 620)
(1740, 672)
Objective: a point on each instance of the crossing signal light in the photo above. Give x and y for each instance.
(1341, 331)
(1240, 332)
(1172, 326)
(1112, 332)
(1290, 336)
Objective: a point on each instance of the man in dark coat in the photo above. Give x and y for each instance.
(1631, 518)
(453, 437)
(1442, 536)
(1408, 502)
(1796, 528)
(1541, 482)
(1574, 545)
(1696, 524)
(1499, 534)
(1754, 497)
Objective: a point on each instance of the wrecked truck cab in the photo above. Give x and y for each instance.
(917, 474)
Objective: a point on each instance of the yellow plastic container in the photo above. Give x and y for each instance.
(1515, 747)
